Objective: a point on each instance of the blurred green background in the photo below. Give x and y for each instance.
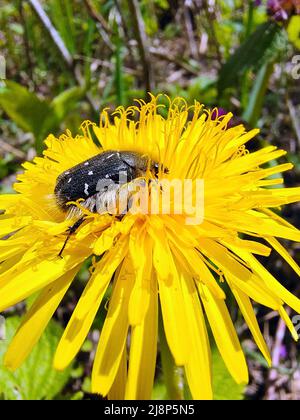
(67, 60)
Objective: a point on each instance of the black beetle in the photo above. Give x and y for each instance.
(92, 177)
(96, 182)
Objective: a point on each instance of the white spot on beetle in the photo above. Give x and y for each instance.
(91, 173)
(69, 180)
(86, 189)
(67, 173)
(86, 163)
(109, 156)
(106, 176)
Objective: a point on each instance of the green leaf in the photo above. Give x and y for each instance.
(224, 387)
(257, 96)
(260, 47)
(34, 115)
(159, 391)
(63, 103)
(23, 107)
(63, 17)
(35, 379)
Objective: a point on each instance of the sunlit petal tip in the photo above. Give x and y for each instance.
(9, 362)
(59, 363)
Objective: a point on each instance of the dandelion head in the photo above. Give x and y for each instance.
(193, 214)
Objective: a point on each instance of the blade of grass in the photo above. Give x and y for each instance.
(37, 7)
(60, 45)
(87, 48)
(62, 16)
(119, 80)
(257, 96)
(143, 43)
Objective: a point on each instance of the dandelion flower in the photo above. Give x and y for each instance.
(154, 259)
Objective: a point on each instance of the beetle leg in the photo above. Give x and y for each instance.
(71, 230)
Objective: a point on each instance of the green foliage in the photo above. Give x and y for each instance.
(63, 18)
(258, 48)
(150, 15)
(62, 104)
(119, 79)
(23, 107)
(4, 166)
(35, 379)
(36, 115)
(256, 100)
(202, 88)
(224, 387)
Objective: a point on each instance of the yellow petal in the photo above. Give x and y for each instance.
(267, 227)
(9, 252)
(143, 348)
(11, 225)
(9, 200)
(12, 246)
(10, 262)
(170, 294)
(233, 145)
(270, 281)
(284, 315)
(250, 161)
(87, 308)
(36, 320)
(275, 217)
(284, 253)
(14, 289)
(251, 246)
(198, 367)
(205, 275)
(117, 390)
(243, 278)
(104, 271)
(114, 333)
(140, 249)
(108, 237)
(250, 318)
(225, 335)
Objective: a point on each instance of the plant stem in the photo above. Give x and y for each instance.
(172, 374)
(250, 19)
